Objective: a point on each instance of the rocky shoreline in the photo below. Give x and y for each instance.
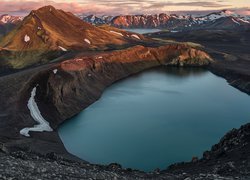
(76, 84)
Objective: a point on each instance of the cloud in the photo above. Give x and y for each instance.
(114, 7)
(188, 4)
(24, 7)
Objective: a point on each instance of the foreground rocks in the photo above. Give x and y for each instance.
(228, 160)
(22, 165)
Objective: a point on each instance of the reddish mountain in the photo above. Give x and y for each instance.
(47, 32)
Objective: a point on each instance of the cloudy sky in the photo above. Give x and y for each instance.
(114, 7)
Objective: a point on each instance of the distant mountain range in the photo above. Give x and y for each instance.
(223, 20)
(7, 19)
(8, 22)
(219, 20)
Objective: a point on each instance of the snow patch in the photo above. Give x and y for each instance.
(26, 38)
(5, 19)
(235, 21)
(245, 21)
(42, 125)
(78, 60)
(135, 36)
(62, 48)
(87, 41)
(116, 33)
(55, 71)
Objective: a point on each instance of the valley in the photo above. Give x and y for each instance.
(70, 63)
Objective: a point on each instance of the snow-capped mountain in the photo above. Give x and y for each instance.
(218, 20)
(4, 19)
(95, 20)
(8, 22)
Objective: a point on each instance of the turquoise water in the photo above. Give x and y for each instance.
(156, 118)
(143, 31)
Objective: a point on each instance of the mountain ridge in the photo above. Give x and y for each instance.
(173, 21)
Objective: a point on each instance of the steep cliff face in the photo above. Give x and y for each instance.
(74, 84)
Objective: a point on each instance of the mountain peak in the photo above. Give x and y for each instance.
(47, 8)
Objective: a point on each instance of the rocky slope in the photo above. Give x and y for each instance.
(230, 158)
(48, 33)
(218, 20)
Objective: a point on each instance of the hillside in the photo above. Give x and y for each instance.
(48, 33)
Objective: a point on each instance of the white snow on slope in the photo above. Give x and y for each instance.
(116, 33)
(244, 21)
(6, 18)
(135, 36)
(62, 48)
(42, 125)
(235, 21)
(26, 38)
(87, 41)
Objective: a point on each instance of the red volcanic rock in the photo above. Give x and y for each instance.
(76, 64)
(141, 21)
(169, 54)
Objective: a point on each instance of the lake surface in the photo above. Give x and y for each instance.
(156, 118)
(143, 31)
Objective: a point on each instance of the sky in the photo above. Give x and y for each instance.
(116, 7)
